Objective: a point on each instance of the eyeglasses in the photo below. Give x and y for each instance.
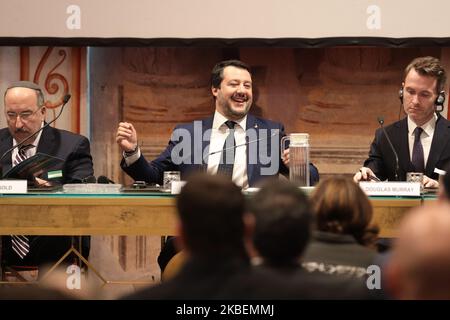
(24, 115)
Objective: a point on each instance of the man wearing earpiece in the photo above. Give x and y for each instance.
(422, 139)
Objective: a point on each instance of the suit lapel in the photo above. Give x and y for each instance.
(47, 141)
(6, 142)
(402, 146)
(440, 138)
(206, 139)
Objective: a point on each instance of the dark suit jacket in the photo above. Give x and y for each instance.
(382, 160)
(77, 165)
(72, 148)
(230, 278)
(315, 285)
(234, 278)
(331, 251)
(153, 171)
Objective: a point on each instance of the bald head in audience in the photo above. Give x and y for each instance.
(420, 264)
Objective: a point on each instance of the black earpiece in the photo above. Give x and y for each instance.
(400, 94)
(440, 99)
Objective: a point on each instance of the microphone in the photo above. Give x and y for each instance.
(104, 180)
(88, 179)
(18, 145)
(244, 144)
(381, 122)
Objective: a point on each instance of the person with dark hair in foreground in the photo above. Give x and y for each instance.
(212, 230)
(282, 223)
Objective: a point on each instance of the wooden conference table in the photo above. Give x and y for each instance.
(132, 214)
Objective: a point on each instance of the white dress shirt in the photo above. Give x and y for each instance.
(425, 138)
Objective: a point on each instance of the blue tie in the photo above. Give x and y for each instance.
(417, 154)
(228, 152)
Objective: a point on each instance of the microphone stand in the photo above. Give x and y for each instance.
(381, 122)
(244, 144)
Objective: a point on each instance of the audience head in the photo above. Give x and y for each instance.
(340, 206)
(282, 222)
(419, 266)
(211, 210)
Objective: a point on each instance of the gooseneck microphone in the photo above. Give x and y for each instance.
(18, 145)
(244, 144)
(381, 122)
(104, 180)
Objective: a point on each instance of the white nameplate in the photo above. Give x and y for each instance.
(13, 186)
(307, 190)
(175, 186)
(411, 189)
(439, 172)
(250, 190)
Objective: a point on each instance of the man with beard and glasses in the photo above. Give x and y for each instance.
(244, 159)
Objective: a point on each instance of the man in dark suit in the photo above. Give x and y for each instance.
(25, 114)
(203, 145)
(421, 140)
(198, 146)
(73, 148)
